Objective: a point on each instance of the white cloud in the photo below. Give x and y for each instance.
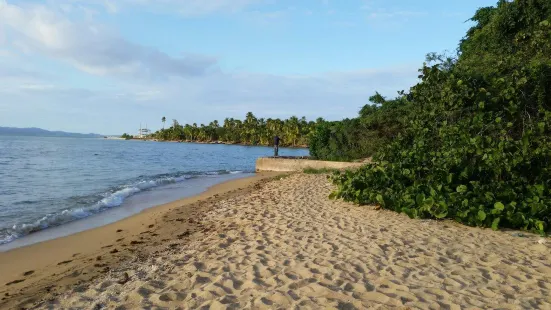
(34, 86)
(381, 12)
(188, 8)
(5, 53)
(92, 47)
(111, 7)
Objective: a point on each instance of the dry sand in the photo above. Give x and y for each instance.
(283, 244)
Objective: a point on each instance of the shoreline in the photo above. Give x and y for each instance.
(213, 142)
(132, 205)
(89, 254)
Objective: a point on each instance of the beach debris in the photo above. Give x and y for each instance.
(542, 241)
(125, 278)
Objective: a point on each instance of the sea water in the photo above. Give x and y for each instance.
(54, 182)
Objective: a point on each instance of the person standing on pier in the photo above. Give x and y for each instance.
(276, 146)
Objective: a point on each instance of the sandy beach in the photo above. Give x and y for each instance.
(271, 242)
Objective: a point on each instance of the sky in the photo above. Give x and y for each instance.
(107, 66)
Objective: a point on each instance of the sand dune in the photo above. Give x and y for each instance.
(285, 245)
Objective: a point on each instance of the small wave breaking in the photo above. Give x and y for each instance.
(111, 198)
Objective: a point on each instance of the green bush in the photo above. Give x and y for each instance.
(361, 137)
(340, 141)
(477, 145)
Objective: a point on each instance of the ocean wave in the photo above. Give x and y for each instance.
(114, 197)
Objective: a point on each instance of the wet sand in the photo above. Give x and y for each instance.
(281, 244)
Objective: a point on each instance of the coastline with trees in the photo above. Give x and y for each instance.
(294, 131)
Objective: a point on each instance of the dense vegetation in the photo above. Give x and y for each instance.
(251, 131)
(378, 123)
(474, 143)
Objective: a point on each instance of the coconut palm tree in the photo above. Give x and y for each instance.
(251, 130)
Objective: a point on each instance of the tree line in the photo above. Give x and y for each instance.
(252, 130)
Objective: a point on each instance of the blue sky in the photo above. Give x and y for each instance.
(108, 65)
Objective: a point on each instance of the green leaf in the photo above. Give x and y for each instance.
(428, 202)
(380, 199)
(481, 215)
(450, 178)
(442, 214)
(498, 206)
(461, 188)
(540, 226)
(441, 210)
(419, 199)
(495, 223)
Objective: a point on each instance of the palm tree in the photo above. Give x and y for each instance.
(292, 130)
(251, 130)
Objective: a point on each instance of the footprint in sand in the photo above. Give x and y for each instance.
(15, 282)
(64, 262)
(28, 273)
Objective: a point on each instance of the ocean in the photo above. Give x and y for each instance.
(55, 182)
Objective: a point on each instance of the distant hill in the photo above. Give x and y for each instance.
(11, 131)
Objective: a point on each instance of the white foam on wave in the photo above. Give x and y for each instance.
(110, 200)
